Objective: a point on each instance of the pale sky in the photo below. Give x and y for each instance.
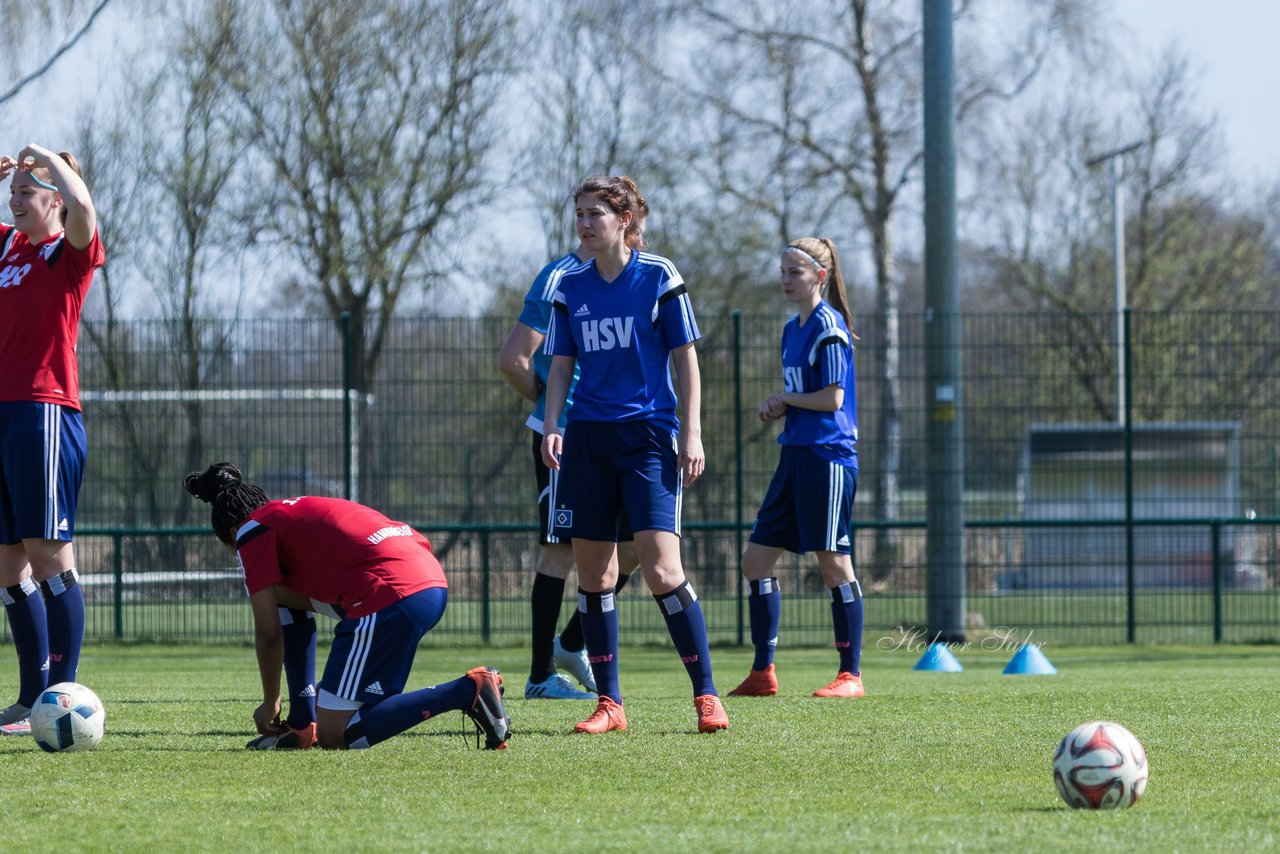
(1233, 42)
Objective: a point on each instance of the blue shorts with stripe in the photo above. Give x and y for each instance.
(809, 504)
(548, 487)
(372, 655)
(615, 474)
(42, 453)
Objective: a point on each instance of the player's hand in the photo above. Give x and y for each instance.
(552, 445)
(773, 408)
(693, 460)
(7, 165)
(35, 156)
(266, 718)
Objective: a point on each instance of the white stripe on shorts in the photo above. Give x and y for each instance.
(52, 448)
(835, 489)
(553, 487)
(353, 670)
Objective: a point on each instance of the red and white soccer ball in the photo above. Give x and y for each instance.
(1100, 766)
(67, 717)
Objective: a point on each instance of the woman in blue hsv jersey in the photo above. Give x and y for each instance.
(624, 318)
(809, 504)
(524, 364)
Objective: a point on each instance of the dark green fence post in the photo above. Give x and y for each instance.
(1129, 580)
(738, 494)
(117, 583)
(486, 626)
(348, 488)
(1215, 543)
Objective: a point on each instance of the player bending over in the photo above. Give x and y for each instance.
(378, 578)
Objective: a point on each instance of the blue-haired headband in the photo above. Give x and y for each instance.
(42, 182)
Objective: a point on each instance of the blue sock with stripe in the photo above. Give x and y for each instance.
(764, 606)
(846, 616)
(599, 619)
(299, 629)
(400, 712)
(688, 632)
(28, 623)
(64, 615)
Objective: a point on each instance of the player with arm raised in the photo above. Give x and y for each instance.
(47, 259)
(378, 578)
(524, 364)
(625, 320)
(809, 504)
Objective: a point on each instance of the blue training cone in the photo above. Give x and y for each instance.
(1029, 661)
(938, 658)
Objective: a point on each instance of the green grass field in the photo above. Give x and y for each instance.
(926, 762)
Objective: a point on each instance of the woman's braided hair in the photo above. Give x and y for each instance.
(222, 486)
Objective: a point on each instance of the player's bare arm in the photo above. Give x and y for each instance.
(515, 360)
(693, 459)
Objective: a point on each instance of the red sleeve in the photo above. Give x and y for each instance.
(86, 260)
(259, 559)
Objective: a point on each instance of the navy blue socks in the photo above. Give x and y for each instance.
(688, 632)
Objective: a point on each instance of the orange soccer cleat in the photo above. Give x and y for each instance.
(759, 683)
(711, 714)
(844, 685)
(608, 715)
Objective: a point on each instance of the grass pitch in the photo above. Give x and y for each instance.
(926, 762)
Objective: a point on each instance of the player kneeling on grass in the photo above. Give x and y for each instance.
(381, 582)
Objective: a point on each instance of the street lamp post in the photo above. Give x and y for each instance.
(1117, 251)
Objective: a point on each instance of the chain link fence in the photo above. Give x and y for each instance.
(1080, 526)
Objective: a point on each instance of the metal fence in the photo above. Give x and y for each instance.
(1081, 526)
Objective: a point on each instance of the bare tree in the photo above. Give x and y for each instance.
(37, 19)
(369, 124)
(843, 104)
(159, 186)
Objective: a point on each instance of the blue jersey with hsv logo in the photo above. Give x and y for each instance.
(537, 316)
(816, 354)
(622, 333)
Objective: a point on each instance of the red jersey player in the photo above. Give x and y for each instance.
(378, 578)
(47, 259)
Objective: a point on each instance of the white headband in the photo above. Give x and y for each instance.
(805, 255)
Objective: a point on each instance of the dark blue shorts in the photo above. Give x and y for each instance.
(548, 488)
(42, 451)
(612, 474)
(809, 505)
(372, 655)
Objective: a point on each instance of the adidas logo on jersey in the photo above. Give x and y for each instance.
(843, 541)
(62, 526)
(583, 311)
(375, 688)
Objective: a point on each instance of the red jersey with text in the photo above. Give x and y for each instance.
(335, 552)
(42, 289)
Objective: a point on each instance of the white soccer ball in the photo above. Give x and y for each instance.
(1100, 766)
(66, 717)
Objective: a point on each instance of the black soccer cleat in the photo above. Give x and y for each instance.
(487, 712)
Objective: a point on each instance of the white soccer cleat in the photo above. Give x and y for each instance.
(576, 664)
(15, 720)
(554, 687)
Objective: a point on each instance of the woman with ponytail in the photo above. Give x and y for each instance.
(378, 579)
(47, 259)
(809, 504)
